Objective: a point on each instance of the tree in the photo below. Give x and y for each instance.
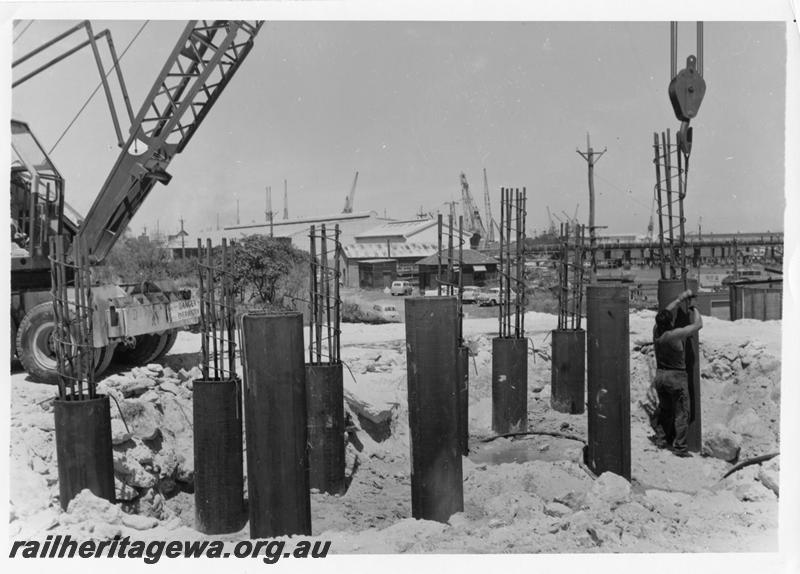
(262, 266)
(137, 259)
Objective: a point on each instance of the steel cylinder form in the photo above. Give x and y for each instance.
(668, 291)
(218, 476)
(275, 424)
(608, 379)
(568, 370)
(509, 385)
(83, 448)
(325, 411)
(462, 375)
(433, 407)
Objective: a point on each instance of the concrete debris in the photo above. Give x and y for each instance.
(720, 442)
(124, 492)
(611, 488)
(768, 475)
(557, 509)
(139, 522)
(119, 432)
(142, 418)
(131, 472)
(171, 387)
(155, 369)
(87, 507)
(136, 387)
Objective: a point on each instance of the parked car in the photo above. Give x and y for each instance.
(470, 294)
(434, 291)
(401, 288)
(492, 296)
(386, 312)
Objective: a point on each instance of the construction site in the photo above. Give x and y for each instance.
(465, 368)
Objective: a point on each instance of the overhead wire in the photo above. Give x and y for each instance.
(97, 88)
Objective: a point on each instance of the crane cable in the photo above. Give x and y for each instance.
(25, 29)
(89, 99)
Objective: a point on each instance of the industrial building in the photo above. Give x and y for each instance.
(350, 225)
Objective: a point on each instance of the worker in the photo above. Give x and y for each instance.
(672, 380)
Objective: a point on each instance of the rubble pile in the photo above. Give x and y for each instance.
(151, 425)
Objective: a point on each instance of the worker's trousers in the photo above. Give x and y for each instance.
(672, 387)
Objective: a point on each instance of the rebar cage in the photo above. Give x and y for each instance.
(449, 273)
(672, 165)
(571, 276)
(217, 310)
(72, 337)
(512, 262)
(324, 299)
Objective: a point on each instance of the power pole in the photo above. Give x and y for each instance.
(183, 241)
(237, 211)
(270, 214)
(452, 205)
(285, 199)
(591, 158)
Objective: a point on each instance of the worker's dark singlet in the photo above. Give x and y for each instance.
(668, 357)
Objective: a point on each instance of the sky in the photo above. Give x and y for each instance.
(410, 105)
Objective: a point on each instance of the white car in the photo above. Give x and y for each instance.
(386, 312)
(492, 296)
(434, 292)
(470, 294)
(401, 288)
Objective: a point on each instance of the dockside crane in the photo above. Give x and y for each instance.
(348, 201)
(552, 229)
(472, 216)
(487, 201)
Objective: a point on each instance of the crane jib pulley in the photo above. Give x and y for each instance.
(686, 91)
(686, 88)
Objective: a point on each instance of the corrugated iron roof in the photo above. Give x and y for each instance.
(396, 251)
(398, 228)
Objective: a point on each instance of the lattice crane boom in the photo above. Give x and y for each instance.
(348, 201)
(472, 217)
(487, 201)
(202, 63)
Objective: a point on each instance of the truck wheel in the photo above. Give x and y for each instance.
(35, 346)
(102, 358)
(140, 353)
(171, 336)
(13, 339)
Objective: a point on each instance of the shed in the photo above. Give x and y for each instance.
(478, 269)
(376, 273)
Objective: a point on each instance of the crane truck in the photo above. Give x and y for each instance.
(134, 324)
